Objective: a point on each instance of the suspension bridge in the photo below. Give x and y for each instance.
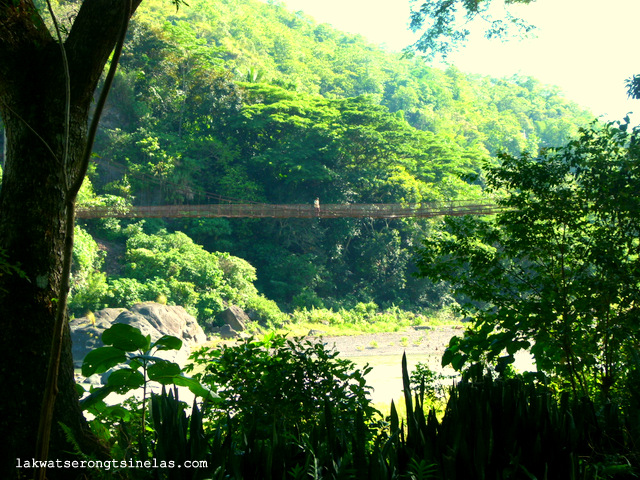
(264, 210)
(211, 205)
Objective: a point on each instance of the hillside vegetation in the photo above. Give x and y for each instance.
(250, 101)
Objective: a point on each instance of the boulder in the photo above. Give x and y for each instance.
(108, 315)
(170, 320)
(227, 332)
(235, 318)
(152, 319)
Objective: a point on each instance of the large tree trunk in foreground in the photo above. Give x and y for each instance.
(32, 232)
(35, 187)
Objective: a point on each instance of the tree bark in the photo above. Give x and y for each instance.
(32, 211)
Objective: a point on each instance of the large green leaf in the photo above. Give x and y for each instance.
(125, 337)
(125, 379)
(95, 397)
(164, 371)
(168, 342)
(458, 360)
(118, 411)
(102, 359)
(195, 387)
(144, 358)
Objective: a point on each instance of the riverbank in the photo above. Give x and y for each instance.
(383, 352)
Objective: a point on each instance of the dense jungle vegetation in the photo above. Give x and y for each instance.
(249, 101)
(246, 100)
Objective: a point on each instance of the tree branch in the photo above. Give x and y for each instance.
(94, 33)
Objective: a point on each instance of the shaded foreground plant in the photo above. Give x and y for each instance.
(137, 363)
(178, 437)
(286, 402)
(516, 428)
(290, 409)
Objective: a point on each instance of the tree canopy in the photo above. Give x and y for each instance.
(207, 101)
(445, 24)
(238, 98)
(557, 270)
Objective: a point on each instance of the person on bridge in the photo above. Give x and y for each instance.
(316, 206)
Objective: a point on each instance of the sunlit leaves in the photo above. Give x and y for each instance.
(277, 382)
(444, 23)
(126, 338)
(557, 270)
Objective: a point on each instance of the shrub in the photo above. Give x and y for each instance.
(284, 385)
(172, 269)
(87, 257)
(91, 296)
(366, 310)
(307, 299)
(267, 311)
(428, 383)
(318, 315)
(125, 292)
(239, 275)
(209, 305)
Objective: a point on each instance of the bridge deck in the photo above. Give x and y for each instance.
(261, 210)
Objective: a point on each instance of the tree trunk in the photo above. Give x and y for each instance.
(32, 216)
(35, 183)
(4, 147)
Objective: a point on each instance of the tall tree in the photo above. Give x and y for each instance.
(557, 270)
(47, 86)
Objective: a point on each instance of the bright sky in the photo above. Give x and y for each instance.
(585, 47)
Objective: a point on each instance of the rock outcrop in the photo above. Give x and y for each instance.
(235, 317)
(153, 319)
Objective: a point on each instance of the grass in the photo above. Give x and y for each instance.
(360, 321)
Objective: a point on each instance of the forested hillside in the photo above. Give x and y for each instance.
(247, 100)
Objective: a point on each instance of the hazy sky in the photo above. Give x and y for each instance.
(586, 47)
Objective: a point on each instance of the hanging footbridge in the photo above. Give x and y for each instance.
(211, 205)
(264, 210)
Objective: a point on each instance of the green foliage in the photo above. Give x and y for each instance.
(124, 427)
(135, 363)
(444, 29)
(428, 383)
(283, 384)
(169, 266)
(125, 292)
(126, 346)
(91, 296)
(556, 272)
(178, 438)
(516, 428)
(266, 311)
(352, 320)
(171, 255)
(290, 409)
(633, 87)
(85, 271)
(323, 114)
